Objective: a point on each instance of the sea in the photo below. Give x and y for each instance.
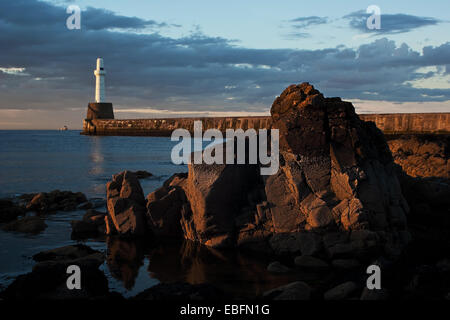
(44, 160)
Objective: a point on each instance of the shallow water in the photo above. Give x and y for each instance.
(35, 161)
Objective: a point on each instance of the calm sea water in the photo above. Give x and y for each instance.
(35, 161)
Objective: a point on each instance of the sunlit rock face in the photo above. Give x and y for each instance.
(126, 205)
(335, 193)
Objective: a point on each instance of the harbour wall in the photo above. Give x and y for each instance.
(399, 123)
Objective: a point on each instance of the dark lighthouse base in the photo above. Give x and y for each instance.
(102, 110)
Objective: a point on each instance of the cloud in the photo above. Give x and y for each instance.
(305, 22)
(97, 19)
(194, 72)
(390, 23)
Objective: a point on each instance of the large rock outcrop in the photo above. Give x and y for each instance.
(335, 193)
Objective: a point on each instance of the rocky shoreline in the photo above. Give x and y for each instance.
(345, 197)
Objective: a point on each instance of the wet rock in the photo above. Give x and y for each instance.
(341, 291)
(73, 252)
(9, 210)
(293, 291)
(93, 203)
(277, 267)
(126, 205)
(48, 277)
(181, 291)
(142, 174)
(32, 224)
(310, 263)
(44, 203)
(91, 226)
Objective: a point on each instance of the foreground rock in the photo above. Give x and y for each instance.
(91, 226)
(32, 225)
(44, 203)
(341, 291)
(126, 206)
(48, 278)
(293, 291)
(310, 263)
(336, 188)
(277, 267)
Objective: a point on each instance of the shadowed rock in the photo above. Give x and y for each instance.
(48, 202)
(32, 225)
(49, 276)
(9, 210)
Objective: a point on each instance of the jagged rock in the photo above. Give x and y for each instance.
(341, 291)
(293, 291)
(310, 263)
(422, 155)
(126, 205)
(277, 267)
(32, 224)
(9, 210)
(56, 200)
(336, 176)
(48, 277)
(216, 194)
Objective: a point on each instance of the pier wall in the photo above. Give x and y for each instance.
(400, 123)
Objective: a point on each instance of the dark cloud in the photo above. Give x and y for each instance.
(196, 72)
(304, 22)
(300, 24)
(97, 19)
(390, 23)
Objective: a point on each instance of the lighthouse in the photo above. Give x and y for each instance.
(100, 109)
(100, 81)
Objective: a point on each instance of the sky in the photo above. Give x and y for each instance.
(206, 58)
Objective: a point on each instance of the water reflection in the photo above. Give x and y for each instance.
(124, 259)
(238, 273)
(96, 157)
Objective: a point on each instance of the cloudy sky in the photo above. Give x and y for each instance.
(205, 57)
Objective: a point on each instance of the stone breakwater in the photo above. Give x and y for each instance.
(401, 123)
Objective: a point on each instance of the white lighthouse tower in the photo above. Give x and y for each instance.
(98, 109)
(100, 81)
